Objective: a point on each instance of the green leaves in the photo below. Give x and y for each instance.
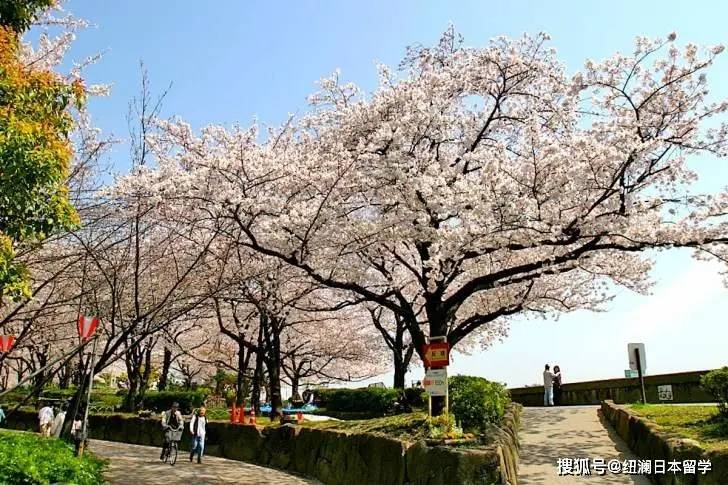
(20, 14)
(476, 402)
(715, 383)
(29, 458)
(35, 154)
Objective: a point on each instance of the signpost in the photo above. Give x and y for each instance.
(437, 354)
(435, 382)
(436, 358)
(638, 362)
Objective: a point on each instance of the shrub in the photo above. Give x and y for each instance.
(415, 396)
(366, 399)
(715, 383)
(162, 400)
(28, 458)
(476, 402)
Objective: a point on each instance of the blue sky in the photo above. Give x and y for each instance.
(233, 61)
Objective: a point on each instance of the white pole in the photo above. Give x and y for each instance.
(90, 387)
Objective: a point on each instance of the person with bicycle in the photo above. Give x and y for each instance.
(172, 425)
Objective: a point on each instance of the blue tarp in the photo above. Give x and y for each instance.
(306, 408)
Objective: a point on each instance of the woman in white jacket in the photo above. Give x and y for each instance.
(198, 423)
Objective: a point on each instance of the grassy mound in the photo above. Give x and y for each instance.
(407, 427)
(701, 423)
(29, 458)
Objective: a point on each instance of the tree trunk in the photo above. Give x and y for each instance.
(166, 364)
(271, 331)
(240, 380)
(400, 371)
(294, 386)
(76, 407)
(131, 399)
(274, 381)
(144, 380)
(257, 374)
(64, 376)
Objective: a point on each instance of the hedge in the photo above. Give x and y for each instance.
(101, 398)
(162, 400)
(29, 458)
(365, 399)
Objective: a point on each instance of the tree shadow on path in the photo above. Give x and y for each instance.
(548, 434)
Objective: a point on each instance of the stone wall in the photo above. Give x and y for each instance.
(685, 389)
(647, 441)
(333, 457)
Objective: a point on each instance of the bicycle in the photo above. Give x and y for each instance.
(171, 439)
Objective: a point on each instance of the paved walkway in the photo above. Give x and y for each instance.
(548, 434)
(140, 465)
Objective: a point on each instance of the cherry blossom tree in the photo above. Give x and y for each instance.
(480, 183)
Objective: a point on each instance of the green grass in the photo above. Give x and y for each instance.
(29, 458)
(700, 423)
(407, 427)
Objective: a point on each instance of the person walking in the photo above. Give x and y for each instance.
(2, 415)
(171, 421)
(557, 385)
(45, 420)
(77, 433)
(548, 386)
(57, 425)
(198, 425)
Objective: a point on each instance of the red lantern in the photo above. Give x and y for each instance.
(6, 342)
(87, 327)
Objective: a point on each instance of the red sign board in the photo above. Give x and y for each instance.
(6, 342)
(437, 354)
(87, 326)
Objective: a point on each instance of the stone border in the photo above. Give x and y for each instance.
(648, 441)
(333, 457)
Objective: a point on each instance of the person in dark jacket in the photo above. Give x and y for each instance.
(557, 386)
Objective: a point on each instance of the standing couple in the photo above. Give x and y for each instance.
(551, 386)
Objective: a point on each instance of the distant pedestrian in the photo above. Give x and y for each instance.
(77, 432)
(198, 425)
(2, 415)
(548, 386)
(557, 386)
(57, 426)
(45, 420)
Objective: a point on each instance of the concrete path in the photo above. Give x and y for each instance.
(548, 434)
(140, 465)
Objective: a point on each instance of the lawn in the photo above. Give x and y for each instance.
(700, 423)
(29, 458)
(407, 427)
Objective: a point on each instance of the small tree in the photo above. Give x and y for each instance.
(715, 383)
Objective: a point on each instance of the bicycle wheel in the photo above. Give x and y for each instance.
(173, 453)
